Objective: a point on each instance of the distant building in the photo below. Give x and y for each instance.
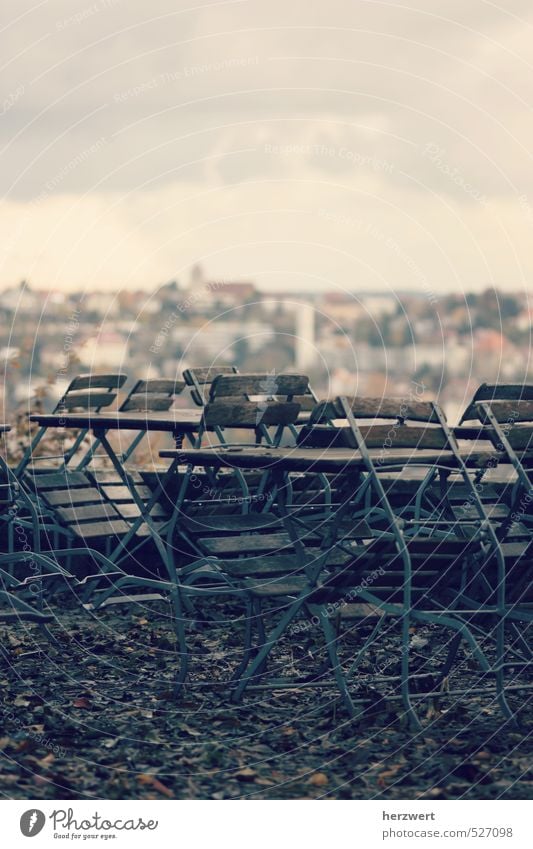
(341, 307)
(107, 350)
(21, 299)
(305, 347)
(103, 303)
(377, 306)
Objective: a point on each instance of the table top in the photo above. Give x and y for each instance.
(172, 421)
(332, 460)
(187, 420)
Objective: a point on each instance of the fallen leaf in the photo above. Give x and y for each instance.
(319, 779)
(154, 782)
(82, 702)
(246, 774)
(388, 773)
(192, 732)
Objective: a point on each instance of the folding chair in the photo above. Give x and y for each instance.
(470, 549)
(200, 379)
(213, 513)
(505, 415)
(239, 403)
(155, 395)
(426, 561)
(85, 392)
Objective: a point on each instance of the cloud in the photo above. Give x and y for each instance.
(131, 133)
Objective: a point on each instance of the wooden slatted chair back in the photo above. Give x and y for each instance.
(200, 379)
(254, 400)
(79, 505)
(155, 395)
(511, 407)
(396, 423)
(500, 394)
(90, 392)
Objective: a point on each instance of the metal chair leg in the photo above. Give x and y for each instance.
(331, 646)
(270, 642)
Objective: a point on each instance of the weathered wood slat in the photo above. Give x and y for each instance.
(307, 403)
(518, 551)
(504, 392)
(506, 412)
(97, 381)
(85, 401)
(273, 589)
(376, 436)
(294, 586)
(493, 511)
(131, 511)
(379, 408)
(206, 375)
(246, 544)
(59, 498)
(451, 546)
(325, 436)
(403, 436)
(84, 514)
(57, 480)
(122, 493)
(216, 523)
(144, 530)
(323, 595)
(359, 611)
(140, 598)
(494, 392)
(519, 437)
(93, 530)
(259, 384)
(153, 403)
(159, 385)
(274, 564)
(247, 414)
(110, 476)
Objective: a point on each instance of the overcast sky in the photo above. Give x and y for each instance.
(299, 143)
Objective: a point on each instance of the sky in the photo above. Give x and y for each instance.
(352, 144)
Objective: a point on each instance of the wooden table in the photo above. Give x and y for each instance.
(177, 422)
(325, 460)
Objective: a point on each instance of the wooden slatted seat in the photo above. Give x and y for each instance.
(244, 544)
(277, 587)
(231, 524)
(80, 505)
(275, 564)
